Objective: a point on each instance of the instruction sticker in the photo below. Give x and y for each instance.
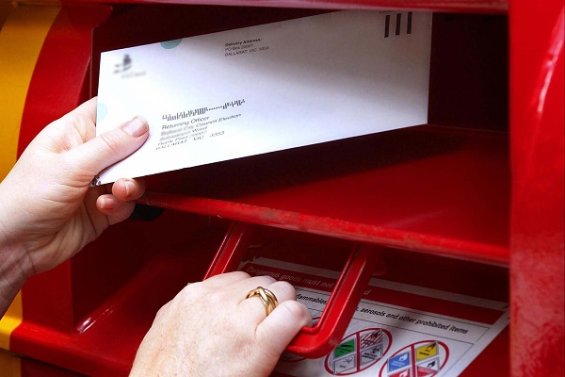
(387, 339)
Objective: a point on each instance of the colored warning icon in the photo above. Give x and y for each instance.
(344, 348)
(428, 368)
(402, 373)
(426, 351)
(399, 361)
(430, 364)
(358, 351)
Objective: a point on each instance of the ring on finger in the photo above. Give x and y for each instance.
(267, 297)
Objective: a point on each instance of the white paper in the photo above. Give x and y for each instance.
(386, 339)
(267, 88)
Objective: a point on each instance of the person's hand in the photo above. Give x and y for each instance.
(48, 211)
(211, 329)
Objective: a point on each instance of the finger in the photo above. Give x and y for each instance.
(87, 108)
(254, 307)
(82, 119)
(71, 130)
(128, 189)
(110, 147)
(116, 210)
(276, 331)
(240, 289)
(226, 279)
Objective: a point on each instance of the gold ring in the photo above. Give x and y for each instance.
(267, 297)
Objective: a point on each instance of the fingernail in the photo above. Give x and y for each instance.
(128, 186)
(136, 127)
(106, 203)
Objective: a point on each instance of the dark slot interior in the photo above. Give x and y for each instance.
(469, 72)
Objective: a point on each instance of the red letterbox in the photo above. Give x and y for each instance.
(470, 204)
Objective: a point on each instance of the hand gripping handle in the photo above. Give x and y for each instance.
(318, 340)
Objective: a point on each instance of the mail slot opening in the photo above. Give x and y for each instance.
(436, 182)
(468, 74)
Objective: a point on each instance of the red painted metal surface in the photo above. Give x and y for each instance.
(538, 220)
(57, 87)
(483, 6)
(231, 251)
(60, 78)
(32, 368)
(426, 189)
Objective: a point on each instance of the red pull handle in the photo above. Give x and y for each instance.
(316, 341)
(231, 250)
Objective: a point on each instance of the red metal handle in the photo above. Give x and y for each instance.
(231, 250)
(316, 341)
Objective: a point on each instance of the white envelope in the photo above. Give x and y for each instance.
(266, 88)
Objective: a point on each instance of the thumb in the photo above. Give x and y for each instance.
(277, 330)
(110, 147)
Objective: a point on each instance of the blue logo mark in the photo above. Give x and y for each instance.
(171, 44)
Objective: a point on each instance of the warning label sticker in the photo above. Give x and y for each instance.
(388, 336)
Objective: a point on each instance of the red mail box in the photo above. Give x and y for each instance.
(470, 203)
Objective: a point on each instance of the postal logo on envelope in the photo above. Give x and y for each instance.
(124, 68)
